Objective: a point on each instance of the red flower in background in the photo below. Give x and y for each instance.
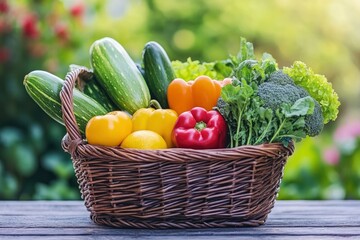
(331, 155)
(61, 31)
(347, 131)
(4, 27)
(4, 7)
(4, 55)
(29, 27)
(77, 10)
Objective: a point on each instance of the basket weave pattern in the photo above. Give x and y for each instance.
(173, 188)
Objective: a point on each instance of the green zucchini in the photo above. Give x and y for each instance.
(93, 90)
(118, 75)
(88, 84)
(44, 88)
(158, 71)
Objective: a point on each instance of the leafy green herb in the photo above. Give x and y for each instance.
(244, 66)
(291, 120)
(250, 123)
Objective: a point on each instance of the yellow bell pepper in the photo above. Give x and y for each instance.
(108, 130)
(161, 121)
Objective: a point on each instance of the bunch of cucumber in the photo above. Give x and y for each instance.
(114, 83)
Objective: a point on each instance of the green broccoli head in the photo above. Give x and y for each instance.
(280, 78)
(314, 123)
(274, 95)
(280, 89)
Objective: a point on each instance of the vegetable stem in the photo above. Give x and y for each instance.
(231, 138)
(250, 134)
(155, 104)
(238, 129)
(263, 133)
(278, 131)
(200, 125)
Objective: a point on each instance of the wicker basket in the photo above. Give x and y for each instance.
(173, 188)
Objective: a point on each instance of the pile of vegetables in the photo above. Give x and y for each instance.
(160, 104)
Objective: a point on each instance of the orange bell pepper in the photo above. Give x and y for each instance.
(202, 92)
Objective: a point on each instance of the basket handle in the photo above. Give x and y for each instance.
(67, 105)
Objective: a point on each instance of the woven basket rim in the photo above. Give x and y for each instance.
(83, 150)
(276, 147)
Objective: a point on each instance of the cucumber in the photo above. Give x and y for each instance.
(118, 75)
(88, 84)
(141, 70)
(158, 71)
(44, 88)
(93, 90)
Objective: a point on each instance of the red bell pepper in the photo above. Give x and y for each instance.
(200, 129)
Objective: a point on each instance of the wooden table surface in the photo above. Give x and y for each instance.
(288, 220)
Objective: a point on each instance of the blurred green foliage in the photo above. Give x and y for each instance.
(51, 35)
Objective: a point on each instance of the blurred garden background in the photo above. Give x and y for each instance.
(51, 35)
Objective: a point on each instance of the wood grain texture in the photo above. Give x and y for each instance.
(289, 219)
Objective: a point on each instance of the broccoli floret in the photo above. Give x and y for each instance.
(314, 123)
(280, 78)
(274, 95)
(280, 89)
